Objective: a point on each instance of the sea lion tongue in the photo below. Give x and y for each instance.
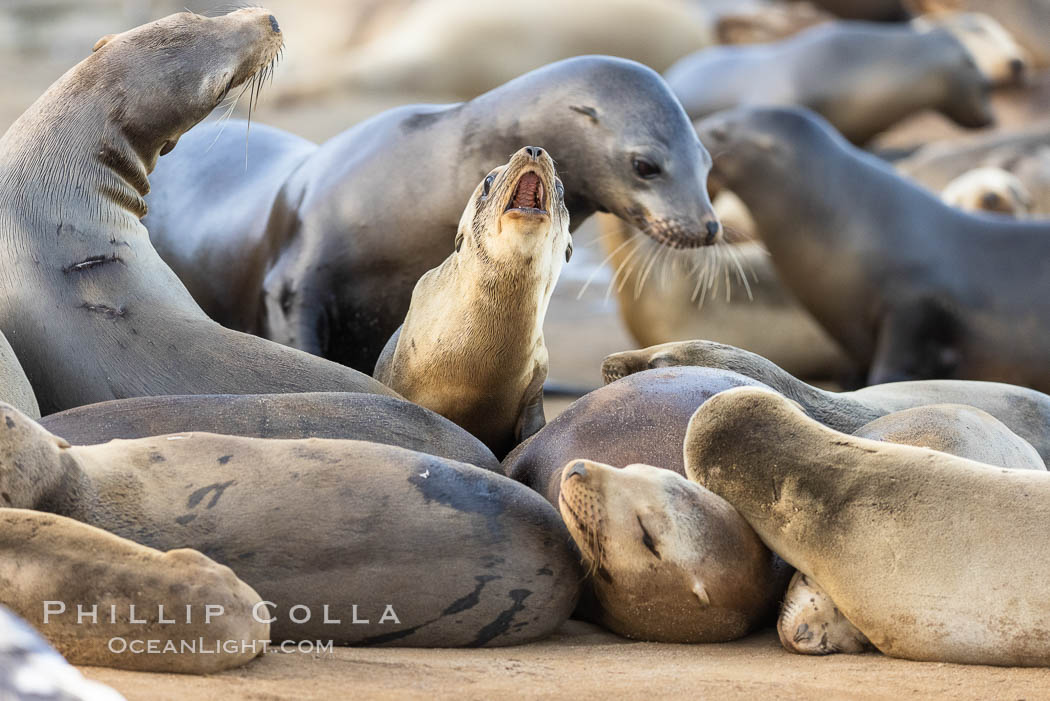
(529, 193)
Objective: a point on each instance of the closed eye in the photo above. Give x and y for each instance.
(647, 540)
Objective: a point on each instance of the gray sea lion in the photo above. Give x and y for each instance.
(671, 561)
(319, 247)
(862, 78)
(728, 293)
(909, 543)
(914, 291)
(347, 415)
(471, 347)
(1024, 411)
(103, 600)
(642, 417)
(89, 307)
(991, 190)
(349, 541)
(31, 670)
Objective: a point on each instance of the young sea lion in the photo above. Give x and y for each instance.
(912, 545)
(913, 291)
(349, 541)
(1024, 411)
(89, 307)
(869, 78)
(319, 247)
(471, 347)
(989, 190)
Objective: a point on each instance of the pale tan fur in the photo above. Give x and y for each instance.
(989, 190)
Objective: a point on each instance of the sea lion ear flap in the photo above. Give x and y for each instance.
(568, 250)
(459, 240)
(701, 593)
(62, 443)
(102, 42)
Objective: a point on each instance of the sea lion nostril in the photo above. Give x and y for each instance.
(713, 227)
(577, 470)
(274, 26)
(534, 152)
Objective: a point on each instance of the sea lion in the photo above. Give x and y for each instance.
(671, 561)
(727, 293)
(957, 429)
(89, 307)
(1027, 21)
(319, 247)
(991, 190)
(998, 56)
(471, 347)
(30, 669)
(643, 417)
(1024, 411)
(914, 291)
(883, 529)
(357, 416)
(470, 54)
(98, 598)
(14, 385)
(809, 622)
(349, 541)
(869, 78)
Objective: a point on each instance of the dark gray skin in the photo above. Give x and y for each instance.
(87, 304)
(878, 10)
(910, 287)
(641, 418)
(1024, 411)
(862, 77)
(465, 557)
(365, 417)
(319, 247)
(14, 385)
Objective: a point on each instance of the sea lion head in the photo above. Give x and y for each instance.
(517, 213)
(967, 90)
(31, 464)
(629, 148)
(811, 624)
(997, 54)
(700, 353)
(670, 560)
(989, 190)
(164, 77)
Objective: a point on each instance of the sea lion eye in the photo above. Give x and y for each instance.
(488, 185)
(560, 189)
(645, 168)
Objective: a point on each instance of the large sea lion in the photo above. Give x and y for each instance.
(671, 561)
(1024, 411)
(30, 669)
(349, 541)
(103, 600)
(347, 415)
(470, 54)
(911, 544)
(471, 347)
(913, 291)
(727, 293)
(863, 78)
(641, 418)
(319, 247)
(89, 307)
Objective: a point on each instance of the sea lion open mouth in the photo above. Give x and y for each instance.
(529, 195)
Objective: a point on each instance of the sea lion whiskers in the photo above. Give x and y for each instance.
(634, 234)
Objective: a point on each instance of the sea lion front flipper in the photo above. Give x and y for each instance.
(531, 418)
(918, 341)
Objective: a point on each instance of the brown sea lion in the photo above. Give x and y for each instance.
(89, 307)
(910, 543)
(319, 247)
(991, 190)
(471, 347)
(348, 541)
(914, 291)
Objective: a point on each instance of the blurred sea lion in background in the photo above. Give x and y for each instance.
(990, 190)
(1028, 21)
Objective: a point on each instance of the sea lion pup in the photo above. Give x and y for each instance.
(30, 669)
(98, 598)
(349, 541)
(963, 431)
(357, 416)
(727, 293)
(671, 561)
(644, 417)
(998, 56)
(914, 291)
(87, 304)
(811, 624)
(908, 542)
(14, 385)
(991, 190)
(471, 347)
(311, 246)
(1024, 411)
(871, 77)
(1027, 21)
